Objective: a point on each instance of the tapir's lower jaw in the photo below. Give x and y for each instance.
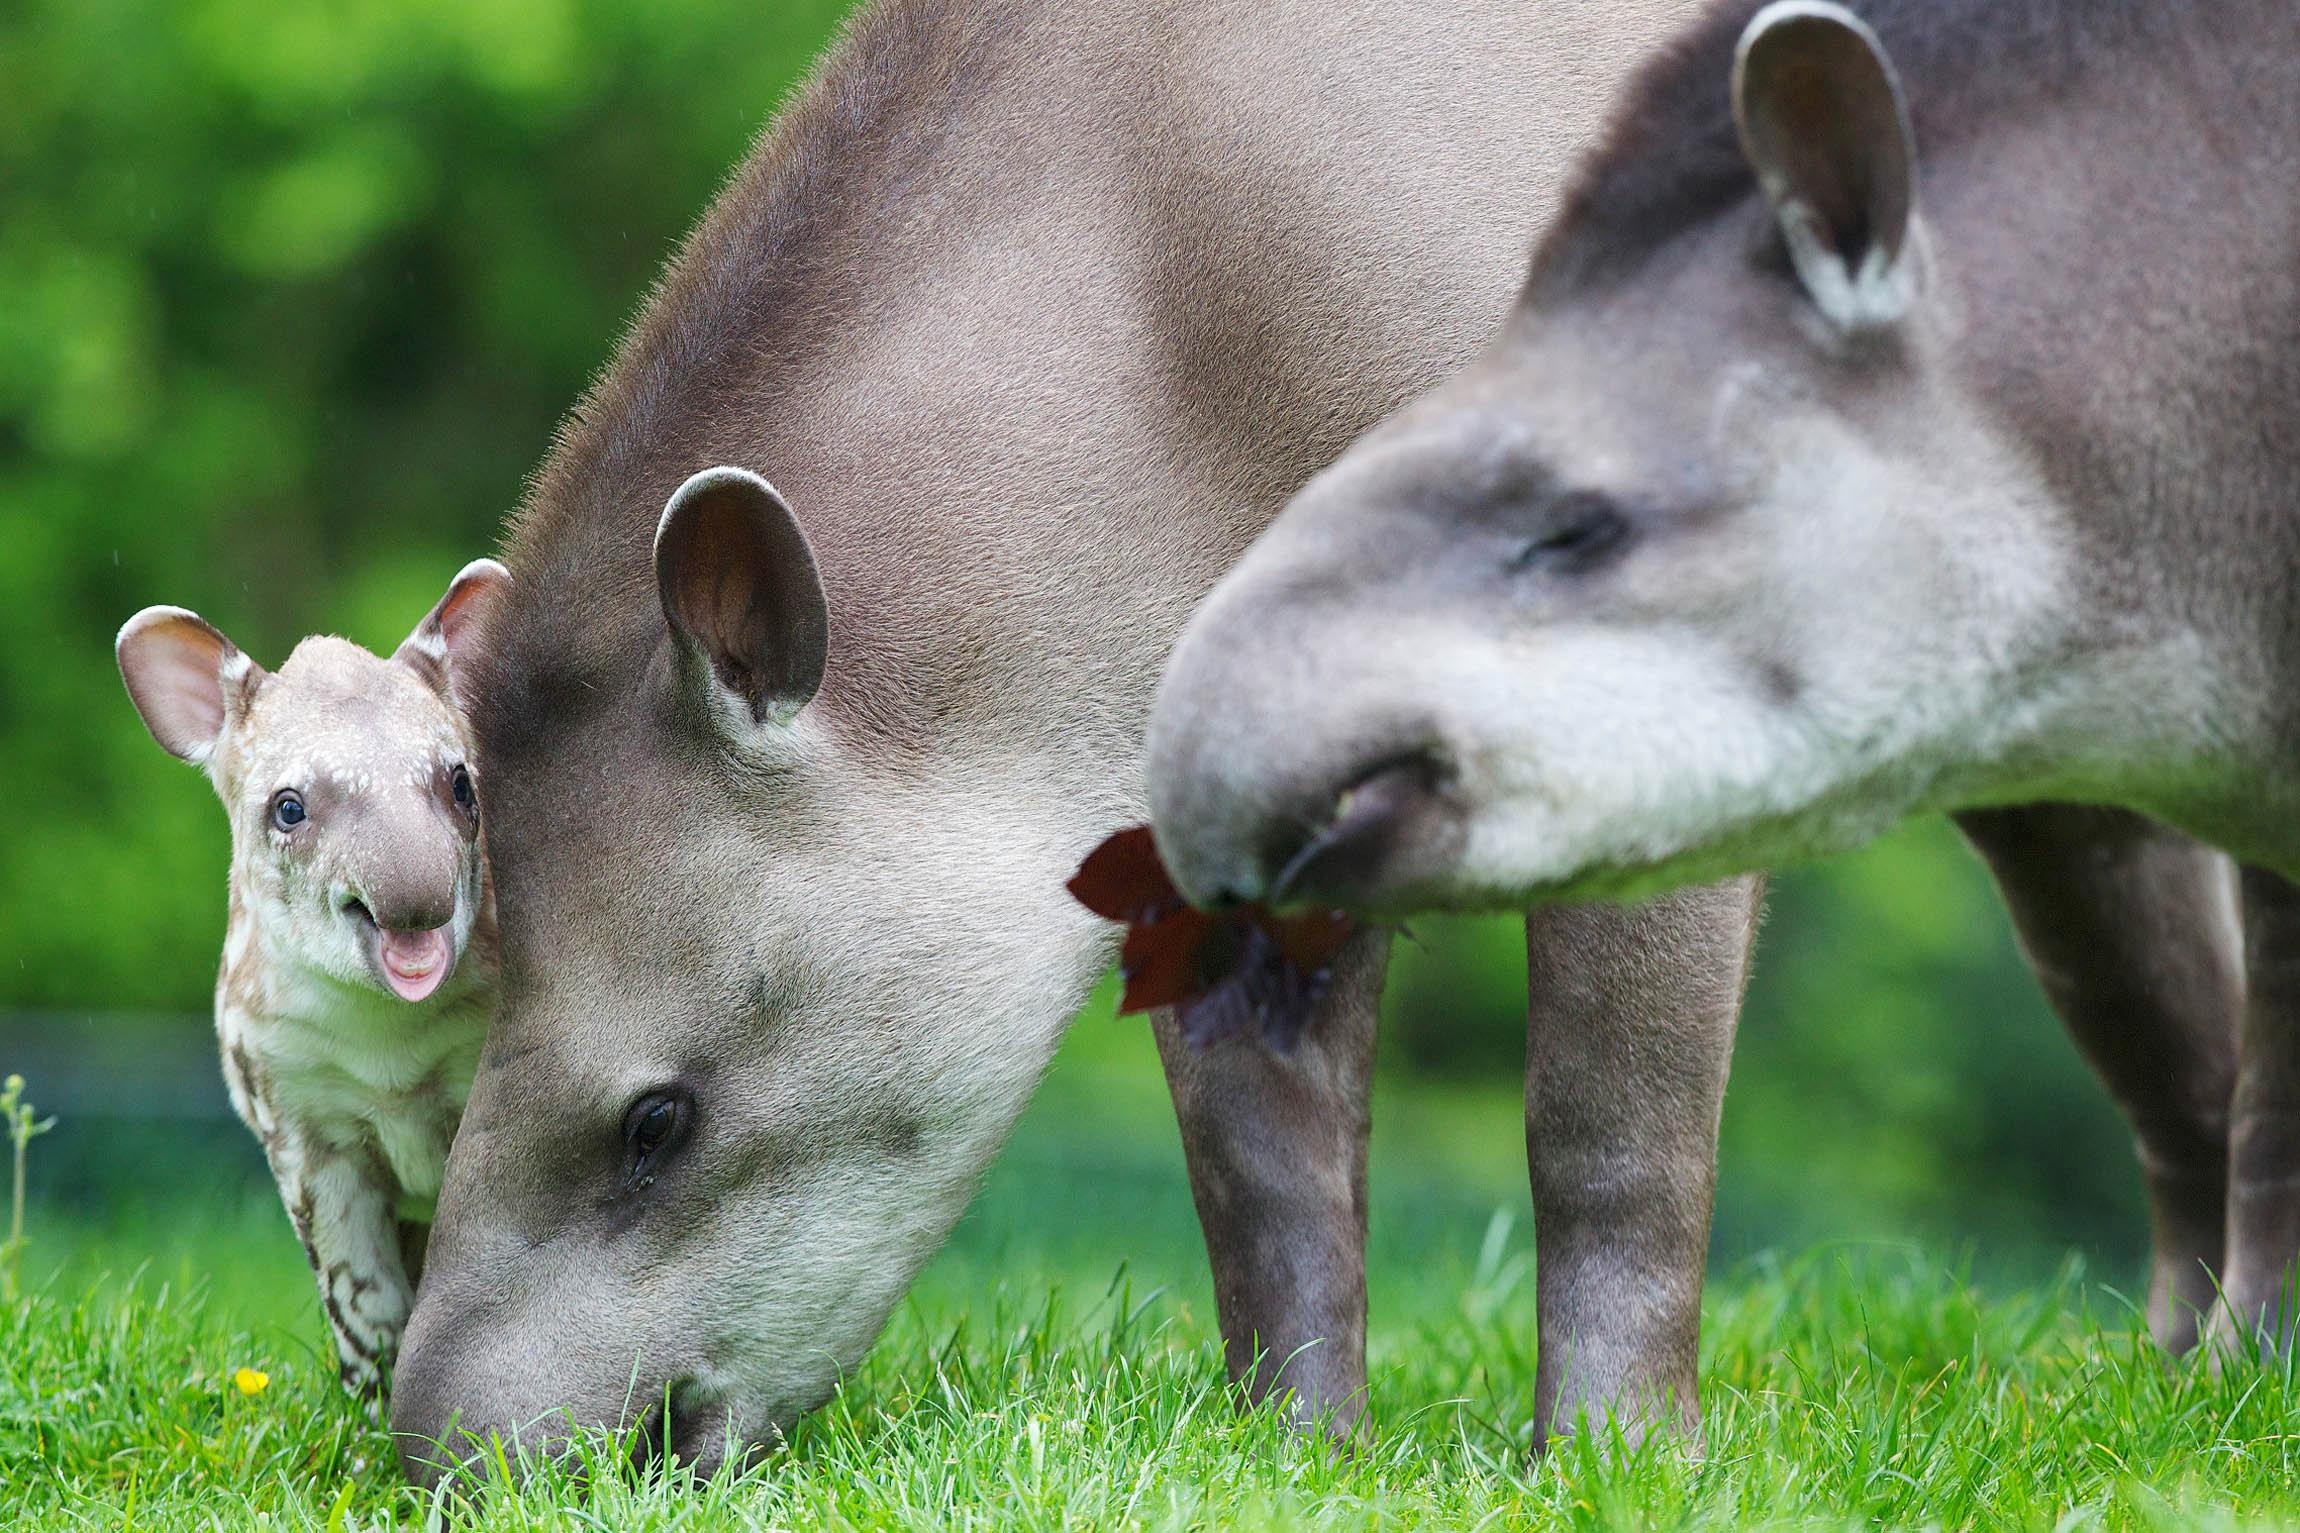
(708, 1435)
(470, 1378)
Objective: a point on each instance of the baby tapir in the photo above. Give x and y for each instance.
(359, 954)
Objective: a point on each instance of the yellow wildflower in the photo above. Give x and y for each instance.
(251, 1381)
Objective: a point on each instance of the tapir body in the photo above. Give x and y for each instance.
(839, 608)
(359, 949)
(1903, 415)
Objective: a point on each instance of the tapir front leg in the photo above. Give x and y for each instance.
(1276, 1146)
(343, 1213)
(2264, 1136)
(2131, 928)
(1629, 1038)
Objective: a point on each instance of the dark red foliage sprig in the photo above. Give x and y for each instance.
(1226, 972)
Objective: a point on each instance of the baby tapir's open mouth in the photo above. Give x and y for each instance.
(414, 963)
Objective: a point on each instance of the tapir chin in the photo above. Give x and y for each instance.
(839, 610)
(1802, 492)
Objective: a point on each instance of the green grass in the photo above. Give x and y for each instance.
(1057, 1366)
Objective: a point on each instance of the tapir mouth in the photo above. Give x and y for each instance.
(414, 963)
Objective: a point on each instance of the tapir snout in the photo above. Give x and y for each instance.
(1300, 752)
(1290, 761)
(405, 874)
(479, 1364)
(1346, 823)
(409, 875)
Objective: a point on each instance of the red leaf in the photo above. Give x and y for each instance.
(1310, 940)
(1224, 972)
(1160, 960)
(1123, 880)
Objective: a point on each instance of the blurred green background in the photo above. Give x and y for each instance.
(291, 296)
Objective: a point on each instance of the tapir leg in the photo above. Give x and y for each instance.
(2264, 1138)
(1276, 1145)
(2131, 929)
(1629, 1037)
(342, 1213)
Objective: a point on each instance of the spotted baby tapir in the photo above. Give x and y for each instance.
(359, 953)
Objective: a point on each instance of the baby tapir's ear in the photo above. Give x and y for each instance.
(1826, 128)
(441, 645)
(185, 678)
(743, 597)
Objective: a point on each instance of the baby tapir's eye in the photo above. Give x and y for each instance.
(287, 809)
(465, 799)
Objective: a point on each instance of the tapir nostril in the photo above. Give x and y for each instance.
(1368, 822)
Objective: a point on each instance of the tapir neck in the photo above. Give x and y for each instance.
(2136, 326)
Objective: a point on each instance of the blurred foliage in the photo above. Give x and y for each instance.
(291, 296)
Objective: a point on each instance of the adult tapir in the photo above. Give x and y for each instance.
(1033, 314)
(1801, 493)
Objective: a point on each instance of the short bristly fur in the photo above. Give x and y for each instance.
(1031, 313)
(1671, 158)
(1900, 418)
(359, 950)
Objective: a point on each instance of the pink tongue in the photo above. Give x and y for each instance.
(414, 962)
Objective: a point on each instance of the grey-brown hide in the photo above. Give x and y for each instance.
(1033, 314)
(359, 957)
(1885, 426)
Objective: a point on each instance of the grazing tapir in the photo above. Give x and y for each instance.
(1801, 493)
(1032, 314)
(359, 949)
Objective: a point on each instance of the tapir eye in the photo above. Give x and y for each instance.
(654, 1126)
(287, 809)
(1582, 530)
(460, 785)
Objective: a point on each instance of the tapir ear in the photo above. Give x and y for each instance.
(740, 588)
(1825, 126)
(184, 677)
(441, 645)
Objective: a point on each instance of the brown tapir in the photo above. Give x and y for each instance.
(1800, 494)
(1033, 314)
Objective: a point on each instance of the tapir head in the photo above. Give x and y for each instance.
(347, 779)
(1712, 560)
(773, 993)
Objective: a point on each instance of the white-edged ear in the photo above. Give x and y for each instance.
(742, 595)
(184, 677)
(1826, 128)
(444, 639)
